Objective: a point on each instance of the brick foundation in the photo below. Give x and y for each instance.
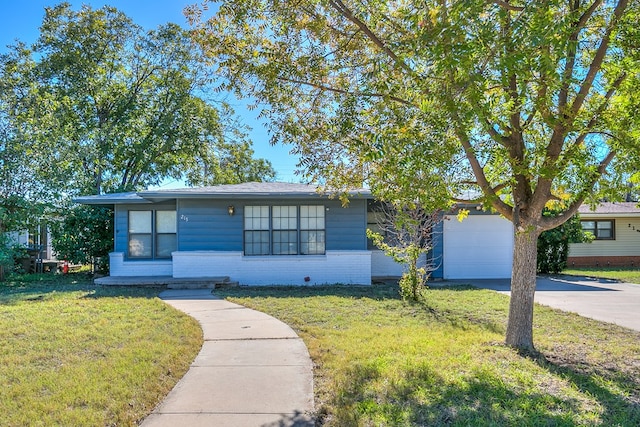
(603, 261)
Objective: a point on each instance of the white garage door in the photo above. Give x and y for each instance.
(479, 247)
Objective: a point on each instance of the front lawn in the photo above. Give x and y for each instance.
(629, 275)
(73, 354)
(382, 362)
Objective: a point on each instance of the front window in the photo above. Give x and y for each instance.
(284, 230)
(312, 234)
(166, 233)
(602, 230)
(152, 234)
(256, 230)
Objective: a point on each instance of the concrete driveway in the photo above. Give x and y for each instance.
(600, 299)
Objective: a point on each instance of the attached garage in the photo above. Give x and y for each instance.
(479, 247)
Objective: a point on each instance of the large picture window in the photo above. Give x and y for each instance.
(284, 230)
(603, 230)
(152, 234)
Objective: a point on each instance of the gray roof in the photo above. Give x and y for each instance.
(110, 199)
(249, 190)
(611, 208)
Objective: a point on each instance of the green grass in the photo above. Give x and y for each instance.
(629, 275)
(75, 354)
(382, 362)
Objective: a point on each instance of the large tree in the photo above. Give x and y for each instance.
(125, 108)
(30, 177)
(510, 102)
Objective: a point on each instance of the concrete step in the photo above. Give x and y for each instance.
(169, 282)
(200, 283)
(227, 284)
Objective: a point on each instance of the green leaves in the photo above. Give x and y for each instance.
(84, 235)
(410, 96)
(117, 107)
(553, 245)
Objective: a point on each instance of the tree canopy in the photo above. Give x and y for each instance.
(115, 107)
(512, 104)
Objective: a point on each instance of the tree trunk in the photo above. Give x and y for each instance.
(523, 288)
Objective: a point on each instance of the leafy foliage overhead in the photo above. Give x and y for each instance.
(119, 108)
(509, 102)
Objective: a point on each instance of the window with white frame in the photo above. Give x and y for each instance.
(256, 230)
(312, 232)
(601, 229)
(152, 234)
(284, 234)
(284, 230)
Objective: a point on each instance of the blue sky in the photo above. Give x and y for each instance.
(21, 19)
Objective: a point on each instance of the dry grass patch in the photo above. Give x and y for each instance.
(72, 353)
(382, 362)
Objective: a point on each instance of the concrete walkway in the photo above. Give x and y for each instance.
(252, 370)
(601, 299)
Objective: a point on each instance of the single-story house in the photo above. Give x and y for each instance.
(616, 227)
(281, 233)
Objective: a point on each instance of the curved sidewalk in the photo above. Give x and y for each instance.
(252, 370)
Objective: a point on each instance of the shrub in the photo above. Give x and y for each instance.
(553, 245)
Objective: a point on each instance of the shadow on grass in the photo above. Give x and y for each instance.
(459, 316)
(621, 407)
(422, 396)
(38, 287)
(377, 291)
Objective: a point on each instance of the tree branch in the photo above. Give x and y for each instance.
(547, 223)
(348, 14)
(346, 92)
(506, 5)
(598, 59)
(483, 183)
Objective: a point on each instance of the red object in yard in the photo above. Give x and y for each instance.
(65, 267)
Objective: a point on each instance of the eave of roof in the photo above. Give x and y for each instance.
(611, 209)
(111, 199)
(251, 190)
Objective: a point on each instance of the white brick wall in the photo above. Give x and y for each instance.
(385, 266)
(346, 267)
(119, 267)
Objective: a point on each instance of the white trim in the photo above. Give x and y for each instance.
(119, 267)
(383, 265)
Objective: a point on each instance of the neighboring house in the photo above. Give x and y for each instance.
(38, 239)
(280, 233)
(616, 227)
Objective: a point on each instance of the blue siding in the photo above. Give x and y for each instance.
(206, 224)
(437, 251)
(120, 228)
(346, 227)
